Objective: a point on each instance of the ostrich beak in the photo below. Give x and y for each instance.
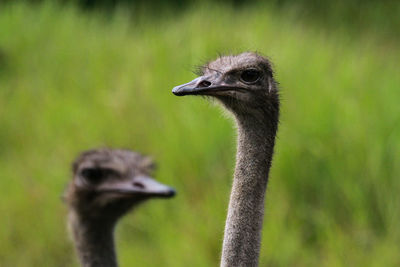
(188, 88)
(149, 186)
(203, 86)
(140, 185)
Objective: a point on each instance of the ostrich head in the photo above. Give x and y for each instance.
(107, 183)
(243, 83)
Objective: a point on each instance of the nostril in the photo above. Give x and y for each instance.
(204, 84)
(139, 185)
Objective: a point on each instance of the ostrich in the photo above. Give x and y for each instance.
(106, 185)
(244, 84)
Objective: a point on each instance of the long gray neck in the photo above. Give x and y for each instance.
(242, 238)
(94, 241)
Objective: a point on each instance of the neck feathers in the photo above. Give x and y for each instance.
(256, 139)
(94, 241)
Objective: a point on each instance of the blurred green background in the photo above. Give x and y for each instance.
(81, 74)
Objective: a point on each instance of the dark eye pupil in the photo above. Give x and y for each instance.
(95, 175)
(250, 76)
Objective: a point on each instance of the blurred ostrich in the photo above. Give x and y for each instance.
(106, 185)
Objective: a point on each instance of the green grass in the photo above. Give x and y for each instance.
(70, 81)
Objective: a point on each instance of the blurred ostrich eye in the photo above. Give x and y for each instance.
(95, 175)
(250, 76)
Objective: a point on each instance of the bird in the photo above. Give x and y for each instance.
(244, 84)
(106, 184)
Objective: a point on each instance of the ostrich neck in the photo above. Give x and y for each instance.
(242, 238)
(94, 241)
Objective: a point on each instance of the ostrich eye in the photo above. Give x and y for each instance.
(95, 175)
(250, 76)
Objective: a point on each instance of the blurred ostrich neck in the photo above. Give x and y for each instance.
(94, 240)
(256, 138)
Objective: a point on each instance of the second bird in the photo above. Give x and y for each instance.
(107, 183)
